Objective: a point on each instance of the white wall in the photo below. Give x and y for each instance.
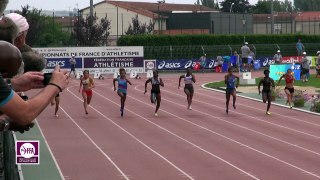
(124, 17)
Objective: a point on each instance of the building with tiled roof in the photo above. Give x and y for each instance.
(121, 13)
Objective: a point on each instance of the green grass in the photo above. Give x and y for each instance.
(313, 82)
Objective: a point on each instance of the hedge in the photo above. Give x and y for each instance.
(211, 39)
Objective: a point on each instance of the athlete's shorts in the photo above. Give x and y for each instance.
(155, 92)
(190, 89)
(123, 91)
(291, 90)
(88, 92)
(230, 91)
(73, 67)
(266, 92)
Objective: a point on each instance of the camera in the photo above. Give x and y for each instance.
(46, 78)
(24, 97)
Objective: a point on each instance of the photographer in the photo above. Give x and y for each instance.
(23, 112)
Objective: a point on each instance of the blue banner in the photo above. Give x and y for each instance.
(266, 61)
(276, 71)
(181, 64)
(62, 62)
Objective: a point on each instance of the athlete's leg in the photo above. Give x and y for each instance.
(85, 105)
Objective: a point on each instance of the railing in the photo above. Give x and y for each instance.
(196, 51)
(9, 169)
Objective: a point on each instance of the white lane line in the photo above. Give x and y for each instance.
(244, 145)
(185, 140)
(257, 132)
(252, 117)
(92, 141)
(289, 117)
(134, 137)
(203, 88)
(53, 157)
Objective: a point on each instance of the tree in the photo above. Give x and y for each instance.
(139, 28)
(43, 31)
(91, 35)
(307, 5)
(264, 7)
(239, 6)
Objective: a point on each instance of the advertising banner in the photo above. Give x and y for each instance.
(182, 64)
(149, 65)
(103, 59)
(276, 71)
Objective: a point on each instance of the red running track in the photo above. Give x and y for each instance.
(203, 143)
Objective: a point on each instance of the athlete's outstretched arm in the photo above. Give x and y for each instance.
(80, 84)
(114, 84)
(92, 82)
(280, 79)
(146, 84)
(182, 76)
(129, 82)
(238, 81)
(193, 78)
(272, 83)
(225, 79)
(161, 83)
(259, 86)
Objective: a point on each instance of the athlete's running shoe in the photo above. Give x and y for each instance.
(156, 115)
(268, 113)
(121, 110)
(234, 106)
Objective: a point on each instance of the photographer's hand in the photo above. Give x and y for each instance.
(15, 127)
(59, 78)
(27, 81)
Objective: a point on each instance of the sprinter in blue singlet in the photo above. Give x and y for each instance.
(122, 87)
(232, 82)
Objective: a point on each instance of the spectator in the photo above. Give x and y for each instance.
(11, 105)
(245, 50)
(237, 65)
(305, 63)
(23, 26)
(203, 61)
(277, 57)
(8, 30)
(318, 64)
(73, 63)
(219, 64)
(299, 47)
(23, 112)
(252, 57)
(3, 5)
(32, 60)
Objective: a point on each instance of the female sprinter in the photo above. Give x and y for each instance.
(156, 82)
(87, 82)
(56, 100)
(267, 84)
(122, 87)
(289, 89)
(189, 78)
(232, 84)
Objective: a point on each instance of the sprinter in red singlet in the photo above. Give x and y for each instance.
(289, 89)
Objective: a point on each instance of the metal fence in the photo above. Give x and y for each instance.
(193, 52)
